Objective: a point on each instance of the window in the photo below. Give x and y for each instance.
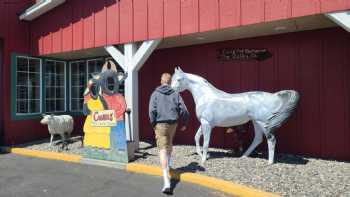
(94, 67)
(81, 71)
(28, 85)
(78, 76)
(38, 87)
(55, 86)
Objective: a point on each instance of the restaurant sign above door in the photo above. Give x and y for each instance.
(242, 54)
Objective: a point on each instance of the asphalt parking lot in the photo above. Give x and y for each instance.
(33, 177)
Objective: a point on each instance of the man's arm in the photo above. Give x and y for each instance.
(183, 111)
(152, 110)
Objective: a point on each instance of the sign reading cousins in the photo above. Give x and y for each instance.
(228, 54)
(104, 118)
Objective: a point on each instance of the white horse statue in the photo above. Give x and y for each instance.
(214, 107)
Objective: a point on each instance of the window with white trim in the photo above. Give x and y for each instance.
(28, 85)
(80, 72)
(94, 66)
(55, 86)
(78, 75)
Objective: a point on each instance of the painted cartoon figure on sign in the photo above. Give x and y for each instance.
(110, 82)
(267, 111)
(101, 94)
(94, 136)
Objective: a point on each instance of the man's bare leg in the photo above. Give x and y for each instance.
(163, 155)
(169, 151)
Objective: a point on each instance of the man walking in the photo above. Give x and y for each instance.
(164, 109)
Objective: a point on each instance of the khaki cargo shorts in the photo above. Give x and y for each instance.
(164, 134)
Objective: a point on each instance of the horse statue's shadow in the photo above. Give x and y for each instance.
(279, 158)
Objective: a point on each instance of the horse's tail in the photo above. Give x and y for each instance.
(290, 100)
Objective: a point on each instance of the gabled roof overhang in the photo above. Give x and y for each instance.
(40, 8)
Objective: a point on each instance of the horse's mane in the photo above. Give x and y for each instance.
(199, 79)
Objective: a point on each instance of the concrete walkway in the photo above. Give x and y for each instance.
(27, 177)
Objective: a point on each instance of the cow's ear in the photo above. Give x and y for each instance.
(113, 66)
(105, 66)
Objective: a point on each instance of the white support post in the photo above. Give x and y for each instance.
(130, 86)
(341, 18)
(132, 61)
(116, 55)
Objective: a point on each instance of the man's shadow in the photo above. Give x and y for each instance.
(176, 173)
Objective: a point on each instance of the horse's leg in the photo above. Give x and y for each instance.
(197, 138)
(206, 130)
(271, 141)
(51, 139)
(258, 137)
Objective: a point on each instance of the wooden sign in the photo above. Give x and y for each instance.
(242, 54)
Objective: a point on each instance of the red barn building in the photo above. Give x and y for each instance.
(49, 48)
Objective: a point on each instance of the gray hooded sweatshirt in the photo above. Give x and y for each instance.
(165, 106)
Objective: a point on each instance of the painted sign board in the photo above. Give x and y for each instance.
(242, 54)
(104, 127)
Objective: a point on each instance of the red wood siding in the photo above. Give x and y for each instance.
(112, 21)
(252, 11)
(313, 63)
(230, 13)
(15, 35)
(189, 16)
(277, 9)
(328, 6)
(1, 89)
(305, 7)
(77, 23)
(18, 37)
(88, 24)
(67, 28)
(172, 18)
(126, 21)
(155, 19)
(208, 15)
(99, 23)
(140, 20)
(310, 71)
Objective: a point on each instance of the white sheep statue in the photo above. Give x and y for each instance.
(59, 125)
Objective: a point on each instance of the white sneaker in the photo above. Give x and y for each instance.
(166, 190)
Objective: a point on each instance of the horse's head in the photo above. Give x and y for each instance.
(179, 81)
